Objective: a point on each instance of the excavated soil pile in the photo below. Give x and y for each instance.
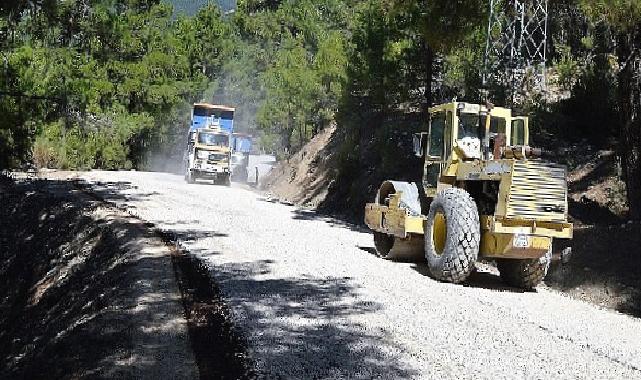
(337, 174)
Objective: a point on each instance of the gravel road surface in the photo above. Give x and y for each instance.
(314, 302)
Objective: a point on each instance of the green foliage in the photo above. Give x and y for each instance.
(623, 15)
(113, 74)
(109, 83)
(297, 52)
(623, 18)
(291, 87)
(107, 143)
(93, 68)
(446, 24)
(566, 67)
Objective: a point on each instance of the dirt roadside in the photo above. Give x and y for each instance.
(86, 291)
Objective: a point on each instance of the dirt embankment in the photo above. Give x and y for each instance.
(85, 292)
(337, 173)
(605, 265)
(305, 178)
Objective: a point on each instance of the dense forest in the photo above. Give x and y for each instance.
(108, 83)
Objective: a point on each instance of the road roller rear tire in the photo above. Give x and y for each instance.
(526, 274)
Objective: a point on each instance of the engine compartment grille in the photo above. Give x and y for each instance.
(538, 191)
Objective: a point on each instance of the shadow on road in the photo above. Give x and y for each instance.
(478, 279)
(301, 214)
(370, 250)
(304, 325)
(220, 348)
(114, 192)
(605, 261)
(191, 235)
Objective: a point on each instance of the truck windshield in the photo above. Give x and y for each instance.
(202, 111)
(213, 139)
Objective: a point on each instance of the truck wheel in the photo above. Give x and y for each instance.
(452, 236)
(383, 243)
(524, 273)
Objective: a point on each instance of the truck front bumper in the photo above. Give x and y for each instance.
(207, 174)
(210, 172)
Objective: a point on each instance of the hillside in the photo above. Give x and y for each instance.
(305, 178)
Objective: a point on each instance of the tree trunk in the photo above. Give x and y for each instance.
(429, 74)
(629, 52)
(287, 135)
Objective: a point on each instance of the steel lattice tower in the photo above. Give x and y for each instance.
(516, 48)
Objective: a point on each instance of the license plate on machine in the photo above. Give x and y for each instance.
(521, 241)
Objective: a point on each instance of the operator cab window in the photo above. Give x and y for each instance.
(469, 135)
(497, 135)
(469, 126)
(518, 133)
(497, 125)
(437, 128)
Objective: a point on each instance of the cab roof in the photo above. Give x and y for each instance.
(212, 130)
(471, 108)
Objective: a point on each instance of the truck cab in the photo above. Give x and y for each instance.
(241, 149)
(209, 156)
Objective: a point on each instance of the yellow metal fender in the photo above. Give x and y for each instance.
(396, 210)
(513, 246)
(392, 220)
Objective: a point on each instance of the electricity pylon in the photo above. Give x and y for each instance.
(516, 47)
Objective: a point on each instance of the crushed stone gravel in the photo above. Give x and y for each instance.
(313, 301)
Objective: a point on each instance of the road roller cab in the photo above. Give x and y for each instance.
(485, 193)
